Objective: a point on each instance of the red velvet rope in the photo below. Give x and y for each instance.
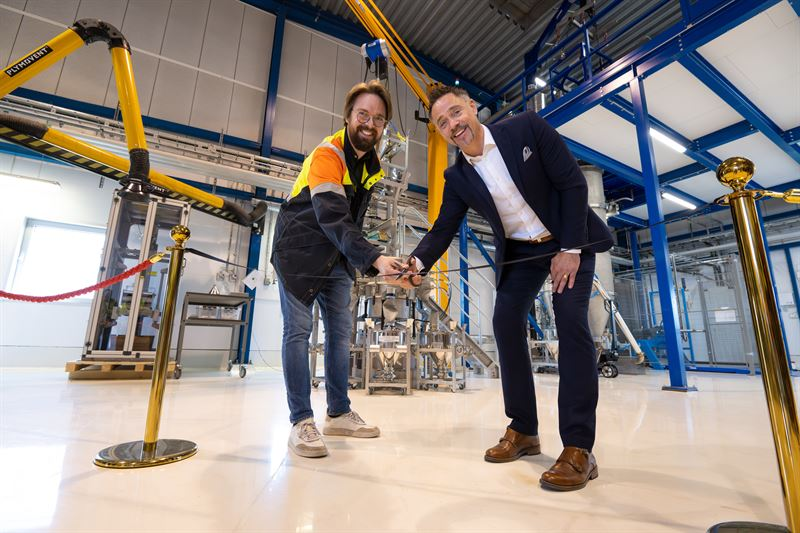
(103, 284)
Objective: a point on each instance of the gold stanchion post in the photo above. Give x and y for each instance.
(152, 451)
(735, 173)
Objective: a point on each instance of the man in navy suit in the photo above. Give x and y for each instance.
(519, 175)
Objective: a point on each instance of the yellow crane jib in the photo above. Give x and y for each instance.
(135, 173)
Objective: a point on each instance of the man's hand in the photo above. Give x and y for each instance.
(563, 269)
(388, 267)
(411, 278)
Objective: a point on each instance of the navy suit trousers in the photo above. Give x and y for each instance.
(577, 360)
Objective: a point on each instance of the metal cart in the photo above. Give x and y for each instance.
(212, 311)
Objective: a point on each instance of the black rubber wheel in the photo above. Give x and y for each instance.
(230, 365)
(616, 371)
(315, 383)
(607, 371)
(242, 371)
(176, 374)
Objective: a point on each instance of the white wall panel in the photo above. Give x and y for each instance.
(287, 129)
(145, 24)
(173, 93)
(186, 27)
(247, 113)
(33, 33)
(294, 62)
(316, 126)
(222, 34)
(212, 102)
(87, 71)
(349, 71)
(9, 26)
(255, 47)
(321, 71)
(61, 11)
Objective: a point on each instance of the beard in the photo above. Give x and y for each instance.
(359, 141)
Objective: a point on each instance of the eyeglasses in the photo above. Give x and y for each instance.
(377, 120)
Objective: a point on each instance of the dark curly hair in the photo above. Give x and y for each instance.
(437, 91)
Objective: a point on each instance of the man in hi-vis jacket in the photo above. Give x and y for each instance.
(317, 246)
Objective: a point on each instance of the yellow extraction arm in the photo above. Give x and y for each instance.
(419, 81)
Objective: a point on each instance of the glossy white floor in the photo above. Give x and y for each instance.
(668, 461)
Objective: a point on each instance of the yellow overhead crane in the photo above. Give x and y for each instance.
(135, 174)
(419, 81)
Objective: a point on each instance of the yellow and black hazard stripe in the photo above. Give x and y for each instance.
(53, 143)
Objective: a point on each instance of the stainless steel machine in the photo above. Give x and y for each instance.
(125, 318)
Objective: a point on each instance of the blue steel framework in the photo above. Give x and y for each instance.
(702, 21)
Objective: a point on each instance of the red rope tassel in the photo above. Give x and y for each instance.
(102, 285)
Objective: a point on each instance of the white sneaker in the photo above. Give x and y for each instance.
(305, 440)
(349, 425)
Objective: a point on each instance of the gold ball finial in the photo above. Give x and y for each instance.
(180, 234)
(735, 172)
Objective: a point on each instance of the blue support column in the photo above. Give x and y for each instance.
(272, 84)
(633, 239)
(253, 259)
(795, 288)
(774, 285)
(666, 289)
(463, 249)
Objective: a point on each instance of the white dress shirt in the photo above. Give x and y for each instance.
(519, 220)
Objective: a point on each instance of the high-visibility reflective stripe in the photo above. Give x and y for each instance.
(336, 149)
(328, 187)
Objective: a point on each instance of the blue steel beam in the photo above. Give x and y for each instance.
(481, 248)
(793, 281)
(792, 136)
(272, 83)
(669, 305)
(796, 6)
(714, 80)
(463, 249)
(631, 220)
(672, 44)
(624, 109)
(731, 133)
(253, 260)
(622, 170)
(532, 56)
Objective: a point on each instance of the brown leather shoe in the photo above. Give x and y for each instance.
(572, 471)
(512, 446)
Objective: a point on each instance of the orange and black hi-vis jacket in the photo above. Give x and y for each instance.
(322, 219)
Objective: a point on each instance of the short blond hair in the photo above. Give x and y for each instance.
(372, 87)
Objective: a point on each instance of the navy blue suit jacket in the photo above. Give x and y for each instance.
(549, 180)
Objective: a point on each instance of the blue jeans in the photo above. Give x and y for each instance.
(334, 304)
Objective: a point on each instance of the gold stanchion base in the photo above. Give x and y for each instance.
(747, 527)
(132, 455)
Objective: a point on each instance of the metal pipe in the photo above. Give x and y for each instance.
(735, 173)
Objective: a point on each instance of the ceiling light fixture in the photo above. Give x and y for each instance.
(663, 139)
(677, 200)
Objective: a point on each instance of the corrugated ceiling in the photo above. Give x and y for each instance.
(485, 41)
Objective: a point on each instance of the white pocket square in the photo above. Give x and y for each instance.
(526, 153)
